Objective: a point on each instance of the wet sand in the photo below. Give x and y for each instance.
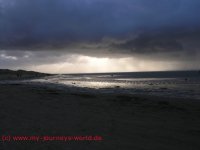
(126, 122)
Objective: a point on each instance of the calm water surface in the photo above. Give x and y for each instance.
(181, 84)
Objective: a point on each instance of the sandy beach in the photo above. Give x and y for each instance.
(99, 75)
(124, 121)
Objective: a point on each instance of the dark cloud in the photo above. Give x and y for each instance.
(50, 24)
(147, 45)
(162, 42)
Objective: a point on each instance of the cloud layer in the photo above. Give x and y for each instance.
(147, 29)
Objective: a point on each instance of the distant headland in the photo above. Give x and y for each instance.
(6, 74)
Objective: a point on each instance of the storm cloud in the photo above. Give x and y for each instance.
(147, 29)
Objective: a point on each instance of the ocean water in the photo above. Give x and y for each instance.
(179, 84)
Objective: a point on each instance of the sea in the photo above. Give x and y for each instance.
(177, 84)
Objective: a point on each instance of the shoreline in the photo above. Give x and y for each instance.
(87, 90)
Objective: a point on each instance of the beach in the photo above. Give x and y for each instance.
(99, 75)
(124, 121)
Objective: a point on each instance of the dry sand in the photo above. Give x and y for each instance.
(125, 122)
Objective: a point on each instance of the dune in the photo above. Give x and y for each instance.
(6, 74)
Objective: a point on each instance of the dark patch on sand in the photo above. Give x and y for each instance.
(84, 95)
(124, 98)
(169, 106)
(16, 84)
(128, 99)
(47, 91)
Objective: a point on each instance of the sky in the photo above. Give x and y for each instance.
(76, 36)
